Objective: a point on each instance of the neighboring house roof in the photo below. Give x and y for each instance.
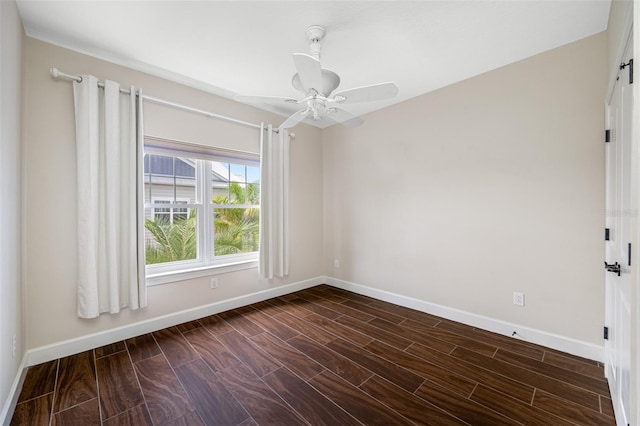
(185, 168)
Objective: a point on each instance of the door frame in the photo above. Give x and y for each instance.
(632, 15)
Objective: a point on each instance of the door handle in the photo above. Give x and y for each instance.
(615, 267)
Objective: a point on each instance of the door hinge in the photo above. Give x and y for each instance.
(606, 333)
(630, 65)
(606, 234)
(607, 135)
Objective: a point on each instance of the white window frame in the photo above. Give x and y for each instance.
(206, 264)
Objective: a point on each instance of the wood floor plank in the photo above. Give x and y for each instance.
(215, 324)
(174, 346)
(394, 373)
(314, 407)
(464, 409)
(326, 295)
(33, 411)
(136, 416)
(446, 336)
(570, 411)
(339, 330)
(356, 402)
(516, 389)
(211, 399)
(443, 376)
(39, 380)
(267, 308)
(270, 324)
(494, 339)
(189, 419)
(429, 337)
(375, 332)
(84, 414)
(378, 313)
(142, 347)
(317, 309)
(540, 381)
(241, 323)
(119, 389)
(188, 326)
(247, 352)
(76, 381)
(294, 306)
(288, 356)
(576, 379)
(514, 409)
(606, 406)
(348, 295)
(166, 398)
(587, 369)
(408, 313)
(416, 409)
(264, 405)
(305, 328)
(342, 366)
(110, 349)
(345, 310)
(211, 350)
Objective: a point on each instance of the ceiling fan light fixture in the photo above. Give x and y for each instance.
(330, 81)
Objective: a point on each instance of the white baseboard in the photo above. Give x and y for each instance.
(550, 340)
(10, 404)
(73, 346)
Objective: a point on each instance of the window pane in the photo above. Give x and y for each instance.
(253, 174)
(235, 231)
(170, 242)
(238, 172)
(169, 178)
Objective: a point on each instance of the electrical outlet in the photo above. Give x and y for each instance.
(13, 343)
(518, 298)
(336, 263)
(214, 283)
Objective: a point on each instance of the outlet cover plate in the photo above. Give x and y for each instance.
(518, 298)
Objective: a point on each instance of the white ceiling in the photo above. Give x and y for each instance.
(245, 47)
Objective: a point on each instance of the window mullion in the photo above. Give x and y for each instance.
(207, 214)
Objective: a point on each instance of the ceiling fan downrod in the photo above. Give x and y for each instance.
(315, 35)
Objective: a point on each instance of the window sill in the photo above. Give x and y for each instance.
(188, 274)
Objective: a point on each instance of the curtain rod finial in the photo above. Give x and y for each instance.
(54, 72)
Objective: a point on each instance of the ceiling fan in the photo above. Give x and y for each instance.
(317, 85)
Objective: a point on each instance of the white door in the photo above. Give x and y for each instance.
(619, 252)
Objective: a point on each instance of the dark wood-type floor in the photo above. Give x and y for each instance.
(322, 356)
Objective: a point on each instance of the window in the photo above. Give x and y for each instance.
(201, 211)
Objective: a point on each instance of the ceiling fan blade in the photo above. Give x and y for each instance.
(309, 71)
(264, 99)
(343, 117)
(294, 119)
(373, 92)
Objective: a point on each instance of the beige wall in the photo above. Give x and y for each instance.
(50, 192)
(493, 185)
(11, 313)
